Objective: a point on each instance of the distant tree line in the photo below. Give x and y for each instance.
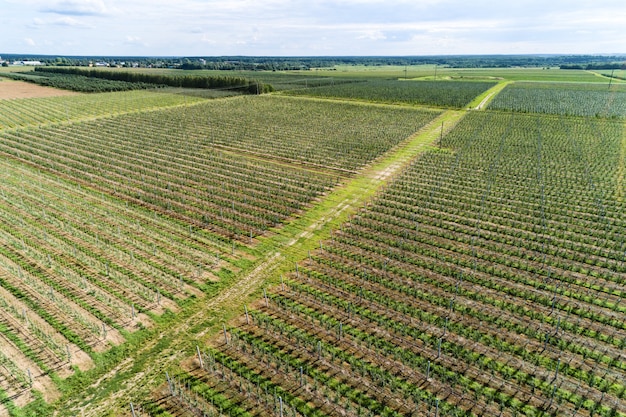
(184, 81)
(607, 66)
(269, 63)
(452, 61)
(76, 82)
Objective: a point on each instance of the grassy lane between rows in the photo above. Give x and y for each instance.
(482, 101)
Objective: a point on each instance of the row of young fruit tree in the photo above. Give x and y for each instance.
(486, 280)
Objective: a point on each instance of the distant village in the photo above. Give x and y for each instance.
(34, 63)
(240, 63)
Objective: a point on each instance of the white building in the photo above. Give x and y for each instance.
(27, 63)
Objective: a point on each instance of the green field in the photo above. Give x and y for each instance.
(38, 111)
(563, 99)
(430, 72)
(355, 244)
(434, 296)
(426, 93)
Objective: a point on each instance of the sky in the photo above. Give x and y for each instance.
(312, 27)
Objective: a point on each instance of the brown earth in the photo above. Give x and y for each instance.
(10, 89)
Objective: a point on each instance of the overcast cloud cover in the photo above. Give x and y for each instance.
(312, 27)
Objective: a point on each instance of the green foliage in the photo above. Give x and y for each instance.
(182, 81)
(333, 135)
(231, 195)
(455, 94)
(472, 266)
(35, 111)
(38, 407)
(77, 82)
(563, 99)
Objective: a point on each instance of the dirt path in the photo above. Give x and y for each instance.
(480, 103)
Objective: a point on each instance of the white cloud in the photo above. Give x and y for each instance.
(134, 40)
(207, 39)
(60, 21)
(77, 7)
(329, 27)
(372, 35)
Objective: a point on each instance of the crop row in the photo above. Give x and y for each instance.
(456, 94)
(34, 111)
(564, 99)
(78, 267)
(319, 134)
(235, 196)
(486, 280)
(168, 160)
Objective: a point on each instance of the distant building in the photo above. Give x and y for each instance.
(27, 63)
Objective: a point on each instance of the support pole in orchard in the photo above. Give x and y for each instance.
(225, 334)
(556, 372)
(199, 357)
(169, 383)
(558, 324)
(245, 308)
